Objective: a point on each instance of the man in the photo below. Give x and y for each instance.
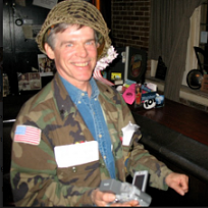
(69, 136)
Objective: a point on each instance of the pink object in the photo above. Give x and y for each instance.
(129, 94)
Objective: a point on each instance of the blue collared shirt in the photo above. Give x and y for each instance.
(91, 111)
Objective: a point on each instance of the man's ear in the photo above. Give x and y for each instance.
(98, 45)
(49, 51)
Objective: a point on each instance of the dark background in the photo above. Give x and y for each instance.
(1, 24)
(20, 54)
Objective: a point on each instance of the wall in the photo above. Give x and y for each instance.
(130, 24)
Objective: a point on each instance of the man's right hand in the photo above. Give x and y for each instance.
(105, 199)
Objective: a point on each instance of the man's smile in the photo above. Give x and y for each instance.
(81, 64)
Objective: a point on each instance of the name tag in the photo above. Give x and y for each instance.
(76, 154)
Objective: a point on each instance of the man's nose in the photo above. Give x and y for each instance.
(82, 51)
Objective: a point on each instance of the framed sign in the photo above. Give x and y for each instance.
(136, 64)
(46, 65)
(29, 81)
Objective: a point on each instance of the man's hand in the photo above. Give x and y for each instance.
(178, 182)
(103, 199)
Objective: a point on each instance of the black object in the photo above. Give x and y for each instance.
(195, 76)
(161, 69)
(202, 66)
(136, 64)
(19, 22)
(194, 79)
(117, 65)
(131, 63)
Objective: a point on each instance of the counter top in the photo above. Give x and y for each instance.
(186, 120)
(178, 133)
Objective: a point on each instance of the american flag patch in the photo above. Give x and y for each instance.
(27, 134)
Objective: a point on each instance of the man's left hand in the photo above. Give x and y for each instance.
(178, 182)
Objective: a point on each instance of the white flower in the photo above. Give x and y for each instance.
(105, 61)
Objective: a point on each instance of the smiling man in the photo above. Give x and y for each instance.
(75, 54)
(70, 135)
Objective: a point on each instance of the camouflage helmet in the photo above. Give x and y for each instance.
(76, 12)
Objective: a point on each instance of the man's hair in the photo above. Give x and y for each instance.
(50, 35)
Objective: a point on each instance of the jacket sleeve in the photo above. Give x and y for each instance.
(34, 178)
(139, 158)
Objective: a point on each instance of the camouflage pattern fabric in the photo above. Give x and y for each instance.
(35, 177)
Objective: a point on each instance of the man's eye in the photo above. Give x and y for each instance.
(90, 42)
(69, 45)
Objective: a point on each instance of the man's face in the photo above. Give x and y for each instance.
(75, 54)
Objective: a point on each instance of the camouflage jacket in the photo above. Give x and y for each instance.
(35, 177)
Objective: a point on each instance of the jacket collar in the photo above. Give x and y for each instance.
(64, 102)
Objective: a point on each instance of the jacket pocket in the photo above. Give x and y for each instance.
(81, 175)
